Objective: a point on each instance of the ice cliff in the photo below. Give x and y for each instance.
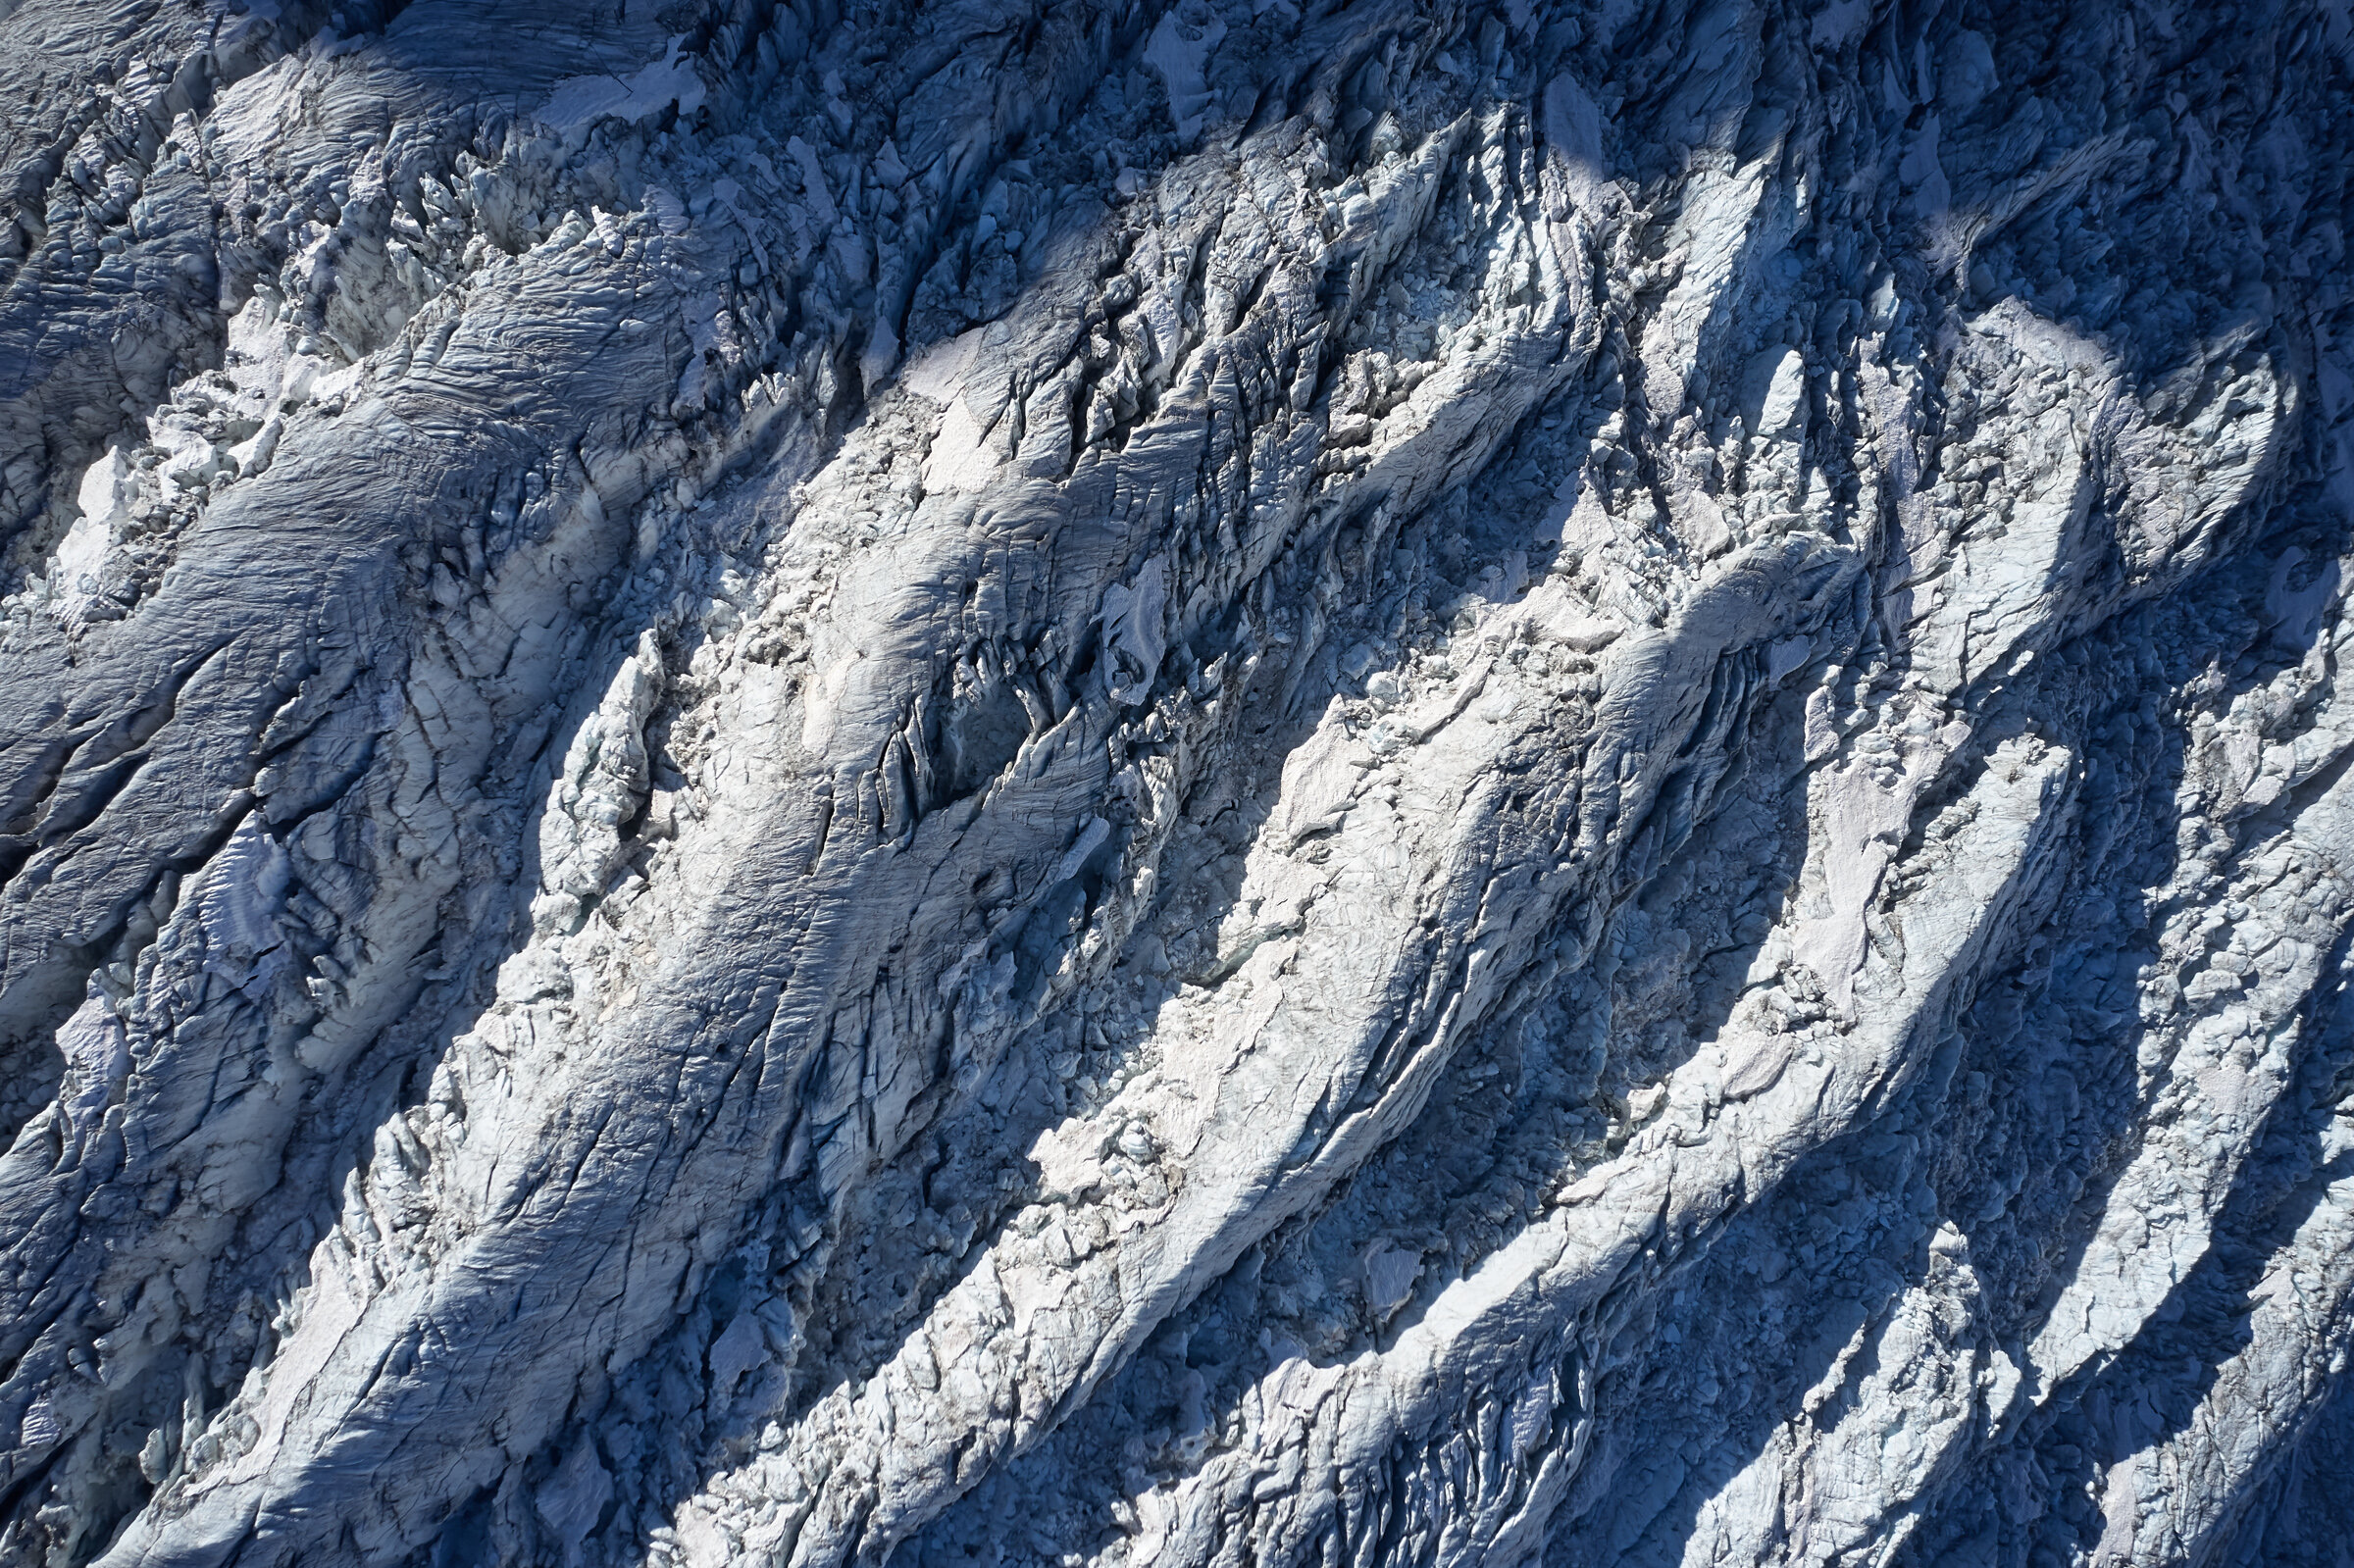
(1276, 782)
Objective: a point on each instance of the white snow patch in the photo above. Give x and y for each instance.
(2298, 612)
(1777, 392)
(577, 101)
(1834, 24)
(1573, 125)
(960, 460)
(813, 182)
(938, 373)
(1132, 629)
(1179, 59)
(104, 496)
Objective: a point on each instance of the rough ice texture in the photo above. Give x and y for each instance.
(1257, 782)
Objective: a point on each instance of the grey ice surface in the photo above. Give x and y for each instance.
(1263, 783)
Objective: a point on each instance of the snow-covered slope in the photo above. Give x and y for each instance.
(1258, 782)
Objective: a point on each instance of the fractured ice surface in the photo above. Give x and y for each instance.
(1276, 781)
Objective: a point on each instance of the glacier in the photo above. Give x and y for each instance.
(1276, 782)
